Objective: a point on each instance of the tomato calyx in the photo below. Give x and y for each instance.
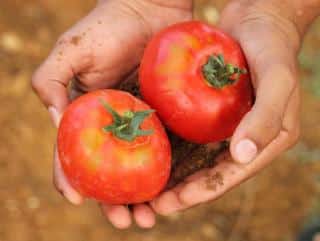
(127, 126)
(219, 74)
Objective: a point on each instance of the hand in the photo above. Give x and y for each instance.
(270, 41)
(99, 51)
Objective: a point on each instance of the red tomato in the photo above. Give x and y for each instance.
(196, 77)
(113, 148)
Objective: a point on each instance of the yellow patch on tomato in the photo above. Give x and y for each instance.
(132, 158)
(176, 62)
(173, 84)
(92, 140)
(192, 42)
(210, 40)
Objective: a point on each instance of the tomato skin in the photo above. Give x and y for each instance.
(171, 81)
(104, 167)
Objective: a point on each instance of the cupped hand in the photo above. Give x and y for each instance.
(99, 51)
(270, 41)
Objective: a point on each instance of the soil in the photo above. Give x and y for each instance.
(273, 206)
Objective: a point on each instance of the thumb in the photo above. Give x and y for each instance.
(275, 83)
(50, 81)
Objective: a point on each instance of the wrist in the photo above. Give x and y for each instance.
(292, 17)
(182, 4)
(154, 14)
(300, 12)
(158, 14)
(275, 15)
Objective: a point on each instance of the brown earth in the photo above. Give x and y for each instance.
(271, 207)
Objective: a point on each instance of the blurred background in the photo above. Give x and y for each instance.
(273, 206)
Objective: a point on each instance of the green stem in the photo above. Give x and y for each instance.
(127, 126)
(219, 74)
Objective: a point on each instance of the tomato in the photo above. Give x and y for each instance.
(197, 79)
(113, 148)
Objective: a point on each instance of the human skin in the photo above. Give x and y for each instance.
(100, 52)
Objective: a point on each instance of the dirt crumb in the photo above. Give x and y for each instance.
(213, 181)
(75, 40)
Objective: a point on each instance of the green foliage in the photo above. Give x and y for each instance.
(303, 153)
(310, 63)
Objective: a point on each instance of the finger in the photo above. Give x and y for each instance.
(211, 184)
(228, 174)
(206, 182)
(287, 137)
(223, 177)
(144, 216)
(55, 115)
(118, 215)
(169, 201)
(62, 185)
(51, 79)
(275, 84)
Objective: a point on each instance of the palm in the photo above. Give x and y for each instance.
(270, 47)
(99, 52)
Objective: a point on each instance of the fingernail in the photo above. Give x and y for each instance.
(73, 197)
(64, 188)
(55, 115)
(245, 151)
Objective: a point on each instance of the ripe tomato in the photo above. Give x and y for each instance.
(196, 77)
(113, 148)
